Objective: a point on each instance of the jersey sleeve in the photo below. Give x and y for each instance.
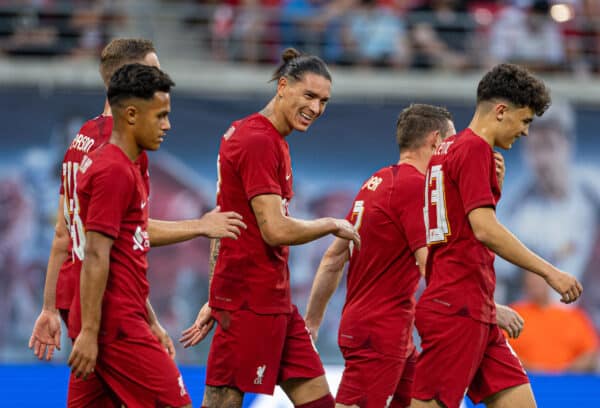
(258, 165)
(111, 192)
(472, 170)
(407, 205)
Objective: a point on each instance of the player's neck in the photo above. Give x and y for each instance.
(484, 127)
(419, 159)
(277, 119)
(126, 144)
(107, 111)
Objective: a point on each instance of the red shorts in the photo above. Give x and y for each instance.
(372, 379)
(253, 352)
(461, 354)
(132, 372)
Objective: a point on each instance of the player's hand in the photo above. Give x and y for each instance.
(217, 224)
(566, 285)
(313, 330)
(84, 354)
(201, 327)
(164, 338)
(500, 168)
(45, 336)
(347, 231)
(509, 320)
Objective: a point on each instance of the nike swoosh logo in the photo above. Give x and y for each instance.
(144, 204)
(288, 176)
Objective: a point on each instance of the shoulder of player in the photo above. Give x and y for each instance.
(253, 128)
(108, 159)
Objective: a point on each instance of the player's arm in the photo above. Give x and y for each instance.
(213, 224)
(278, 229)
(159, 331)
(509, 320)
(94, 275)
(421, 259)
(499, 239)
(204, 321)
(326, 282)
(46, 330)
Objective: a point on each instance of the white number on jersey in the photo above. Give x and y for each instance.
(71, 209)
(357, 214)
(437, 198)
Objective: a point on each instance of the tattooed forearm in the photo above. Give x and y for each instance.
(215, 244)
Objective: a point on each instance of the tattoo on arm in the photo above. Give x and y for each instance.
(214, 254)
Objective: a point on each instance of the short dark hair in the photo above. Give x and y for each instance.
(122, 51)
(417, 121)
(516, 85)
(295, 64)
(137, 81)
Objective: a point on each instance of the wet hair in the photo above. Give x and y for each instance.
(137, 81)
(516, 85)
(120, 52)
(294, 65)
(417, 121)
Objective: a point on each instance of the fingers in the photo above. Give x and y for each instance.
(234, 215)
(356, 240)
(194, 335)
(50, 352)
(237, 222)
(171, 349)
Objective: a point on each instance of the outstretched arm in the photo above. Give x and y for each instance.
(94, 275)
(495, 236)
(279, 229)
(45, 335)
(326, 282)
(213, 224)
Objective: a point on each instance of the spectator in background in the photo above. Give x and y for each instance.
(314, 25)
(557, 338)
(374, 36)
(245, 30)
(441, 32)
(528, 36)
(556, 208)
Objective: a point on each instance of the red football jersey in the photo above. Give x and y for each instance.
(253, 159)
(112, 198)
(383, 275)
(460, 269)
(93, 133)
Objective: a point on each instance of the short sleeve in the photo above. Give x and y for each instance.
(259, 162)
(111, 192)
(407, 205)
(472, 173)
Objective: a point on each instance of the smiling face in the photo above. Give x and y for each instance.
(514, 123)
(152, 120)
(303, 101)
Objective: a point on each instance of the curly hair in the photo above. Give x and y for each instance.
(295, 64)
(417, 121)
(516, 85)
(137, 81)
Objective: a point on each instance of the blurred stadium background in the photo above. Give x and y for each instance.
(384, 54)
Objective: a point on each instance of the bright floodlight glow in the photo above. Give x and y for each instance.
(561, 13)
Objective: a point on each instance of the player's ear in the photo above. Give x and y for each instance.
(281, 85)
(131, 112)
(500, 110)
